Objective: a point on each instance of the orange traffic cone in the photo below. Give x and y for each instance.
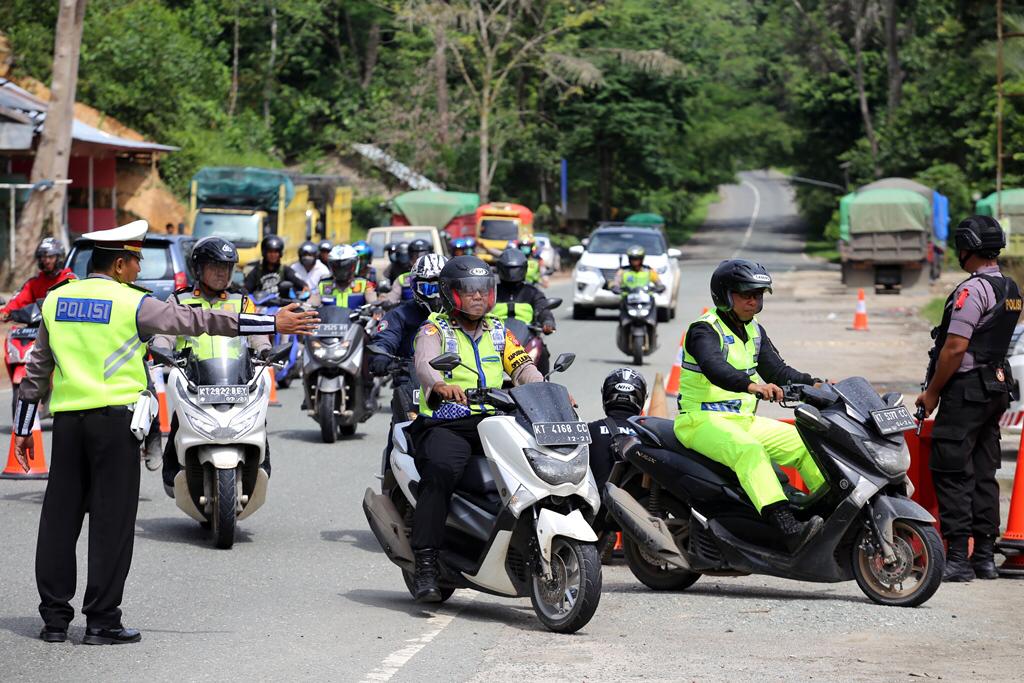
(1012, 542)
(656, 407)
(36, 459)
(273, 388)
(672, 386)
(860, 318)
(156, 373)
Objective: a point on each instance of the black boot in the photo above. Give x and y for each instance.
(796, 533)
(424, 579)
(983, 559)
(958, 568)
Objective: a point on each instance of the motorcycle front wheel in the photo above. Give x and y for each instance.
(325, 416)
(566, 602)
(912, 577)
(225, 492)
(638, 351)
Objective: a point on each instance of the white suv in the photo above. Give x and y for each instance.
(604, 253)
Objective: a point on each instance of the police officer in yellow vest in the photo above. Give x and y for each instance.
(637, 275)
(728, 362)
(518, 299)
(92, 342)
(213, 262)
(344, 287)
(446, 438)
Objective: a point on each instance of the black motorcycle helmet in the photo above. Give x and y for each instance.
(463, 275)
(308, 254)
(398, 254)
(981, 235)
(512, 265)
(50, 246)
(737, 275)
(271, 243)
(419, 247)
(212, 250)
(624, 389)
(324, 246)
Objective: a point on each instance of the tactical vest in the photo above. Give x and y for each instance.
(697, 393)
(352, 297)
(483, 355)
(204, 347)
(991, 340)
(100, 360)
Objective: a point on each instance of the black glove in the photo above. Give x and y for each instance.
(379, 365)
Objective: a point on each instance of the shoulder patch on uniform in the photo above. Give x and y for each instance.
(382, 325)
(137, 287)
(429, 329)
(961, 299)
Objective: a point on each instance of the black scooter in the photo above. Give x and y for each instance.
(694, 517)
(637, 335)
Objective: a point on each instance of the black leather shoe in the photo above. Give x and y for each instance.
(53, 634)
(958, 569)
(983, 558)
(424, 579)
(111, 636)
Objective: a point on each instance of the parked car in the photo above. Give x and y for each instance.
(1014, 415)
(548, 254)
(165, 263)
(381, 236)
(602, 256)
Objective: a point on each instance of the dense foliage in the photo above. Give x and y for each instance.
(652, 102)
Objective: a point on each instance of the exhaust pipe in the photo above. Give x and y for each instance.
(389, 528)
(642, 527)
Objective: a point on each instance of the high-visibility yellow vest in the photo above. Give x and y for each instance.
(203, 347)
(532, 271)
(697, 393)
(100, 360)
(519, 311)
(484, 356)
(352, 297)
(635, 279)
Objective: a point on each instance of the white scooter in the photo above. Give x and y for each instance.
(220, 405)
(519, 523)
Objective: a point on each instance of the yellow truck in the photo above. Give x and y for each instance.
(244, 205)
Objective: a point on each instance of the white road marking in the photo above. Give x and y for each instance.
(394, 662)
(753, 219)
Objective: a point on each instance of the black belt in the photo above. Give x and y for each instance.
(110, 411)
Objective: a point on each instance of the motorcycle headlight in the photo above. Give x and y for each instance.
(201, 422)
(892, 460)
(555, 471)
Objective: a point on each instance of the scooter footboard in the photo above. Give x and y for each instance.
(572, 525)
(389, 528)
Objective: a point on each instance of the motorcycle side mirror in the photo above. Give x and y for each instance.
(160, 357)
(563, 361)
(279, 353)
(554, 302)
(446, 362)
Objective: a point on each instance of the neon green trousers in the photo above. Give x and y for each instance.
(749, 445)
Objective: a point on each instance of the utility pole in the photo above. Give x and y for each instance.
(43, 214)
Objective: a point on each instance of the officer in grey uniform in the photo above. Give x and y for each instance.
(969, 378)
(91, 346)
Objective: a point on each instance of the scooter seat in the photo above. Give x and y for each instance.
(661, 433)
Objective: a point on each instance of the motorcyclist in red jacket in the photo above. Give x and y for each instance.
(50, 258)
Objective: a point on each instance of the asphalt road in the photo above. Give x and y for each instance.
(306, 594)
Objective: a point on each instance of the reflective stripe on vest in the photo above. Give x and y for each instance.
(203, 347)
(353, 297)
(513, 309)
(484, 356)
(99, 358)
(697, 393)
(635, 279)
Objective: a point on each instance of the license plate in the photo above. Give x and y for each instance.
(331, 330)
(892, 420)
(223, 394)
(561, 433)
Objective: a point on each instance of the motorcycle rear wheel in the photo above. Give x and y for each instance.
(325, 416)
(919, 558)
(224, 497)
(647, 570)
(567, 602)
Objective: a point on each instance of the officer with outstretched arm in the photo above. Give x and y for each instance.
(970, 380)
(92, 341)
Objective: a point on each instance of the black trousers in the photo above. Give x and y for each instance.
(965, 457)
(443, 448)
(94, 468)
